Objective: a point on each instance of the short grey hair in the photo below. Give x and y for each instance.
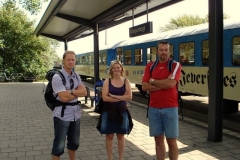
(68, 52)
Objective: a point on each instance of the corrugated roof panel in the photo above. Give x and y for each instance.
(59, 26)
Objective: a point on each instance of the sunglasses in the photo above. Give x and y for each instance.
(116, 61)
(162, 42)
(71, 84)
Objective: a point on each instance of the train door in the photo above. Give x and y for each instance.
(110, 56)
(103, 57)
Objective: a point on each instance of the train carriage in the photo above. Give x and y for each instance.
(189, 46)
(85, 63)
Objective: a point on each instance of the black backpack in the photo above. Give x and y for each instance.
(50, 99)
(180, 101)
(48, 94)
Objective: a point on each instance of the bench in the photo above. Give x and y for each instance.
(92, 98)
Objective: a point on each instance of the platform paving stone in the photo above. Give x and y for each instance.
(26, 130)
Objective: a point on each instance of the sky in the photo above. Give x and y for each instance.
(159, 18)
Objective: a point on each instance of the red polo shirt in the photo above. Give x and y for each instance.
(164, 98)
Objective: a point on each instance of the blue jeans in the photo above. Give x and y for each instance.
(63, 129)
(163, 121)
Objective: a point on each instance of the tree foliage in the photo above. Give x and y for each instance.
(33, 6)
(21, 51)
(186, 20)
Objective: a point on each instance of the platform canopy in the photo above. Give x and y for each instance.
(73, 19)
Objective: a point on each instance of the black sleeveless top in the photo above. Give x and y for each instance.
(115, 108)
(117, 91)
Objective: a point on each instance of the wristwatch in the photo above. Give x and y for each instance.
(152, 81)
(71, 92)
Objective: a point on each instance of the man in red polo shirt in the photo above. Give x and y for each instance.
(163, 105)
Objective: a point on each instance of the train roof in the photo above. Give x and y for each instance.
(191, 30)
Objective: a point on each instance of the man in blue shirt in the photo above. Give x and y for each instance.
(67, 117)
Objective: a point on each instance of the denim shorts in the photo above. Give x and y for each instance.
(63, 129)
(163, 121)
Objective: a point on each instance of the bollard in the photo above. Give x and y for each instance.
(92, 100)
(88, 94)
(86, 100)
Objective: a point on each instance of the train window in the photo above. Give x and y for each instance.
(119, 54)
(78, 60)
(128, 57)
(186, 53)
(90, 58)
(151, 54)
(83, 60)
(138, 56)
(205, 52)
(87, 59)
(236, 51)
(100, 58)
(104, 58)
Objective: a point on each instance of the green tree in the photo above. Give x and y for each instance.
(186, 20)
(33, 6)
(21, 51)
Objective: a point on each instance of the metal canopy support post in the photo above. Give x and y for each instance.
(96, 54)
(133, 17)
(106, 37)
(66, 44)
(215, 109)
(147, 10)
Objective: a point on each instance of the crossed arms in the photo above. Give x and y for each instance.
(66, 96)
(108, 97)
(159, 84)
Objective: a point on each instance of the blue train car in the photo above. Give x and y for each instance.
(189, 46)
(85, 63)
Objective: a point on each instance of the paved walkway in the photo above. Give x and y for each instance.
(26, 129)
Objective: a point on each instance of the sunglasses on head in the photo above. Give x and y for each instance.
(162, 42)
(116, 61)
